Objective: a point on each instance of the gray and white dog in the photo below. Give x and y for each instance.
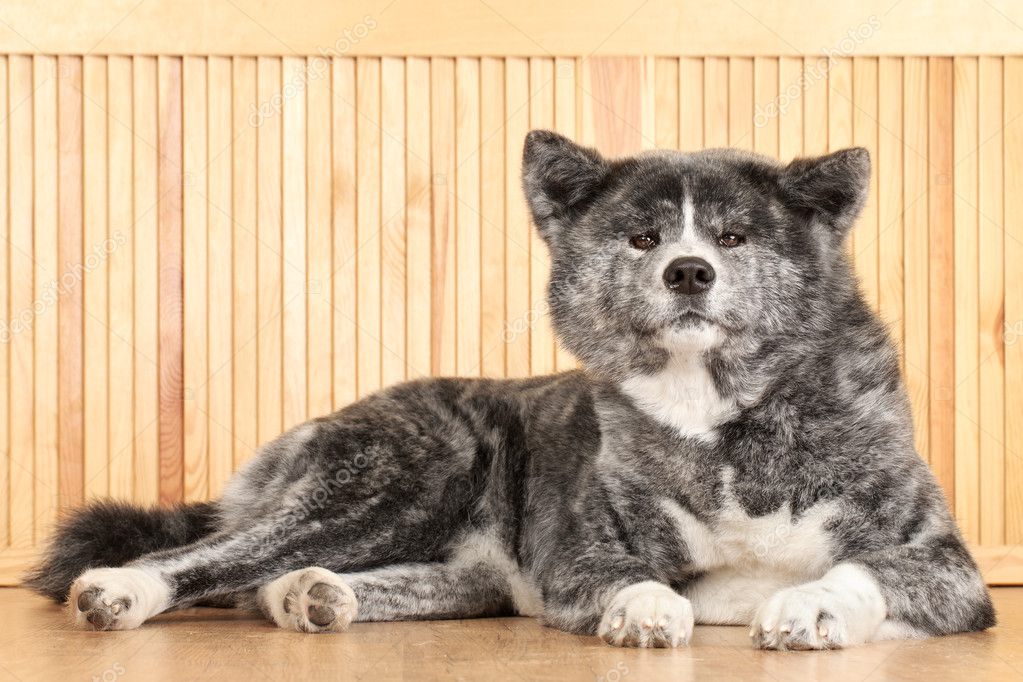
(738, 449)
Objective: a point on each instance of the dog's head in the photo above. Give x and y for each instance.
(670, 252)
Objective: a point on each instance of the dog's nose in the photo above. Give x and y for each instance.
(689, 275)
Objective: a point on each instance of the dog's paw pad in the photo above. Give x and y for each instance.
(323, 604)
(314, 600)
(111, 598)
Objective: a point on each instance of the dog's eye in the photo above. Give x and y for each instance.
(730, 240)
(643, 242)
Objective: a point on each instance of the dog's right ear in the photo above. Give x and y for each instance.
(560, 179)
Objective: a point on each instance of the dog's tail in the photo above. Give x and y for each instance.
(112, 534)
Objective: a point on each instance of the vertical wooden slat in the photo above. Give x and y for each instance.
(120, 251)
(46, 273)
(891, 299)
(269, 342)
(6, 330)
(368, 228)
(196, 333)
(991, 320)
(941, 271)
(966, 298)
(789, 107)
(1013, 256)
(840, 121)
(840, 104)
(613, 102)
(715, 102)
(442, 135)
(492, 183)
(418, 215)
(393, 225)
(171, 318)
(343, 193)
(146, 221)
(541, 115)
(517, 228)
(22, 384)
(666, 106)
(245, 286)
(740, 102)
(220, 266)
(690, 104)
(95, 278)
(566, 113)
(293, 214)
(647, 84)
(865, 134)
(915, 190)
(815, 105)
(764, 117)
(467, 215)
(69, 250)
(320, 247)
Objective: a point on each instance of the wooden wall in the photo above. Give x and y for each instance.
(199, 252)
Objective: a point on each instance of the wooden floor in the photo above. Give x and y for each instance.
(37, 644)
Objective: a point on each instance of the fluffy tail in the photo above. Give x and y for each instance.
(112, 534)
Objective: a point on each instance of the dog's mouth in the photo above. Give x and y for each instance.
(685, 321)
(691, 318)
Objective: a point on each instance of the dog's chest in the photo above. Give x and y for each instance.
(682, 396)
(778, 541)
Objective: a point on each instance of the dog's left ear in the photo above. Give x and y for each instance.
(832, 187)
(560, 179)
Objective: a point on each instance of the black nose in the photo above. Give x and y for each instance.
(689, 275)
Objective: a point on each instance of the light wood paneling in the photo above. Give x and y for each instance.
(22, 263)
(69, 250)
(915, 174)
(94, 284)
(146, 212)
(1013, 312)
(118, 249)
(992, 325)
(219, 269)
(5, 333)
(941, 272)
(343, 175)
(195, 203)
(512, 27)
(966, 299)
(248, 241)
(295, 263)
(44, 233)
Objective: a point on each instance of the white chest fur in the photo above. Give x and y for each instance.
(682, 395)
(745, 559)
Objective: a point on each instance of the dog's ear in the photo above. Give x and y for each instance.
(832, 187)
(560, 179)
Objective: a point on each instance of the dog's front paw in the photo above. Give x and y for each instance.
(115, 598)
(647, 614)
(842, 609)
(310, 600)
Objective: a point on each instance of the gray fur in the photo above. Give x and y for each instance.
(449, 498)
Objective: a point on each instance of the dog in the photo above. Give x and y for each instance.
(738, 448)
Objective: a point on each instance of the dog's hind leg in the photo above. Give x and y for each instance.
(317, 600)
(240, 562)
(223, 564)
